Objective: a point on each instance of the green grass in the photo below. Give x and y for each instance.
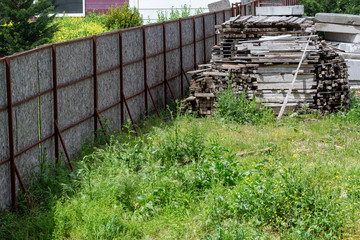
(204, 178)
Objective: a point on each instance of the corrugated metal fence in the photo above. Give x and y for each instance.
(52, 97)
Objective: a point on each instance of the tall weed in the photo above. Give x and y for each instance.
(233, 108)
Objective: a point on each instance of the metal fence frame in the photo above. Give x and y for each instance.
(147, 90)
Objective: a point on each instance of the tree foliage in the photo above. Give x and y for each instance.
(17, 32)
(331, 6)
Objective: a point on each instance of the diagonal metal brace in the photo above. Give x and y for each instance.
(64, 147)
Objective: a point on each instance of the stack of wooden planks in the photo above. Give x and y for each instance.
(260, 55)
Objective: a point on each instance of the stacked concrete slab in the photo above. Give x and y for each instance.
(343, 30)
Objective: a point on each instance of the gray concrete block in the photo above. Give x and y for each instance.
(347, 19)
(111, 118)
(75, 102)
(107, 49)
(154, 39)
(176, 87)
(297, 10)
(228, 14)
(48, 150)
(210, 42)
(24, 76)
(133, 78)
(4, 136)
(45, 69)
(137, 108)
(26, 129)
(3, 94)
(337, 28)
(349, 47)
(353, 69)
(108, 89)
(200, 52)
(172, 35)
(158, 96)
(219, 5)
(187, 31)
(5, 186)
(188, 57)
(199, 27)
(132, 45)
(173, 63)
(47, 114)
(350, 55)
(28, 165)
(155, 70)
(67, 55)
(76, 137)
(342, 37)
(209, 25)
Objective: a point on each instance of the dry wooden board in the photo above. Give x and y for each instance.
(285, 78)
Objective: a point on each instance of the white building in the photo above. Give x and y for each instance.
(150, 8)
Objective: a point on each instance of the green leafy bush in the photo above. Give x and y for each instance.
(78, 27)
(121, 17)
(17, 32)
(238, 109)
(331, 6)
(185, 11)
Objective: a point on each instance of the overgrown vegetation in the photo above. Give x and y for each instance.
(17, 32)
(185, 11)
(79, 27)
(202, 178)
(331, 6)
(231, 107)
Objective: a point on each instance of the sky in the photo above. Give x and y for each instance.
(150, 8)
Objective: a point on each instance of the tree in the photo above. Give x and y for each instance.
(17, 32)
(331, 6)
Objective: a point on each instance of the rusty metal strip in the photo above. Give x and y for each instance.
(4, 161)
(128, 109)
(31, 98)
(23, 188)
(95, 86)
(64, 147)
(187, 79)
(102, 126)
(74, 82)
(56, 112)
(165, 64)
(181, 58)
(152, 99)
(11, 134)
(171, 92)
(135, 95)
(108, 70)
(109, 107)
(33, 145)
(145, 72)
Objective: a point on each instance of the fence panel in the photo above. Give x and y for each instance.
(109, 92)
(114, 73)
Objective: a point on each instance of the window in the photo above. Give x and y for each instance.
(75, 8)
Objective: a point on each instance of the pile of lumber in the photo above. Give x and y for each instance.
(259, 55)
(343, 30)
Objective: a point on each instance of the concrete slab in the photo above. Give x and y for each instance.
(219, 5)
(348, 19)
(353, 69)
(337, 28)
(280, 11)
(349, 47)
(342, 37)
(350, 55)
